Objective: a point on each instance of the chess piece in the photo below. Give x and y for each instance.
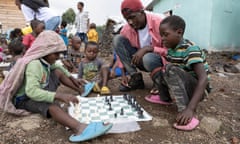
(106, 99)
(111, 98)
(115, 115)
(110, 107)
(125, 96)
(121, 112)
(140, 114)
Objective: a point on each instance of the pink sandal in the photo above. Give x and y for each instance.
(156, 99)
(190, 126)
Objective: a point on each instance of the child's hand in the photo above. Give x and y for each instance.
(66, 98)
(125, 81)
(184, 117)
(112, 74)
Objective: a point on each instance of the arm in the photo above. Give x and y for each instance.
(187, 114)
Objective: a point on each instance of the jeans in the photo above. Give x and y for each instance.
(82, 36)
(53, 23)
(125, 51)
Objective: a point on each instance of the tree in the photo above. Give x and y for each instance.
(69, 16)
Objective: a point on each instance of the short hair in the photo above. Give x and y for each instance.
(81, 3)
(34, 23)
(64, 24)
(93, 25)
(91, 43)
(175, 22)
(16, 46)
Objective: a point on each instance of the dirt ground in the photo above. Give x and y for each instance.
(221, 105)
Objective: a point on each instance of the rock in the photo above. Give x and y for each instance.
(158, 122)
(210, 125)
(27, 123)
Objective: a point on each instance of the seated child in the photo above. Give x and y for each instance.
(32, 87)
(115, 71)
(16, 49)
(73, 55)
(37, 27)
(185, 79)
(91, 68)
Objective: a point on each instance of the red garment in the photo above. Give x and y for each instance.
(28, 40)
(129, 6)
(153, 22)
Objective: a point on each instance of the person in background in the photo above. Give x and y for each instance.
(37, 27)
(63, 32)
(16, 33)
(82, 22)
(184, 80)
(16, 49)
(139, 44)
(32, 83)
(37, 9)
(115, 71)
(93, 69)
(92, 34)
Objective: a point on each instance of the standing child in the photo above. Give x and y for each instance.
(31, 87)
(37, 27)
(93, 69)
(92, 33)
(185, 79)
(63, 32)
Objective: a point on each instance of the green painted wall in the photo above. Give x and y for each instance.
(211, 24)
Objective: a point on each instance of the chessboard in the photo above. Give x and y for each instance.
(108, 108)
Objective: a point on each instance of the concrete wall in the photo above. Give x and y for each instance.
(211, 24)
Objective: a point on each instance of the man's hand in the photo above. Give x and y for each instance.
(137, 57)
(184, 117)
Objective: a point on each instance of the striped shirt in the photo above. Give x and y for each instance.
(185, 55)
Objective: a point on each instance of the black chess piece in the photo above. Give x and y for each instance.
(140, 114)
(125, 96)
(111, 98)
(115, 115)
(121, 112)
(110, 107)
(106, 99)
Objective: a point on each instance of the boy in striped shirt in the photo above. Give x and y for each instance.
(184, 79)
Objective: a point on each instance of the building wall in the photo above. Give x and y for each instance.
(225, 25)
(211, 24)
(10, 15)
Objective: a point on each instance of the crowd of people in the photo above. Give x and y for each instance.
(148, 42)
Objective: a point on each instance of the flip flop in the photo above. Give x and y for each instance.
(93, 130)
(105, 90)
(156, 99)
(190, 126)
(87, 89)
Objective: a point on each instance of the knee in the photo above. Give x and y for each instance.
(117, 40)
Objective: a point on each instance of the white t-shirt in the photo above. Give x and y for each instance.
(144, 37)
(81, 22)
(44, 14)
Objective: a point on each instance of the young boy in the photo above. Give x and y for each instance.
(32, 86)
(63, 32)
(37, 27)
(185, 79)
(93, 69)
(92, 34)
(16, 49)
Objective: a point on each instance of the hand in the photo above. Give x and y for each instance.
(125, 81)
(184, 117)
(137, 57)
(112, 74)
(66, 98)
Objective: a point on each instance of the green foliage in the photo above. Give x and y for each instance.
(69, 16)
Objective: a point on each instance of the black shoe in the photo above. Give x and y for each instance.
(136, 82)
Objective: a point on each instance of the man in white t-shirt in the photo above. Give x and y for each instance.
(82, 22)
(139, 44)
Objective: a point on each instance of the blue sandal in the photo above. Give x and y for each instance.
(87, 89)
(93, 130)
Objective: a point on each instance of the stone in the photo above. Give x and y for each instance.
(210, 125)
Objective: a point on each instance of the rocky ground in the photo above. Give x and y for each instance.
(219, 115)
